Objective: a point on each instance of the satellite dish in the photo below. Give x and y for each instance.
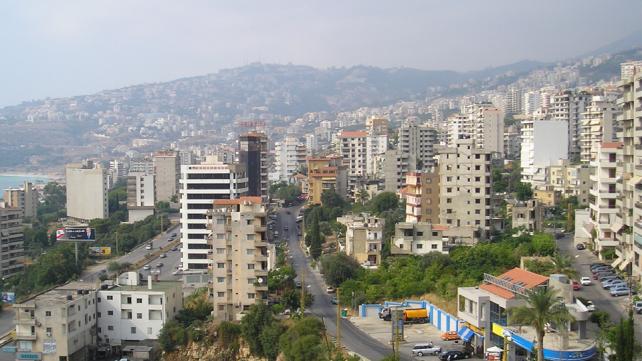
(260, 280)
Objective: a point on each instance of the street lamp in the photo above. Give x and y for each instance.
(508, 338)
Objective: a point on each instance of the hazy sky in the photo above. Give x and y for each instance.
(58, 48)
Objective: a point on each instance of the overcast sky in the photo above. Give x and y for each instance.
(59, 48)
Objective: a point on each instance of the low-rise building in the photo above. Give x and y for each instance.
(419, 238)
(528, 214)
(547, 196)
(364, 238)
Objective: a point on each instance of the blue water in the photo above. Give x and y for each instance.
(8, 181)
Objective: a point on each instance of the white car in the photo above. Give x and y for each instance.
(585, 281)
(146, 267)
(590, 306)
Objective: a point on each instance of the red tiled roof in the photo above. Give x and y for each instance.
(526, 279)
(615, 145)
(353, 134)
(496, 290)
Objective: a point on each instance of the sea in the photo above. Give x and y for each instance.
(8, 181)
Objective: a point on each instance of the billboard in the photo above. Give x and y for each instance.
(8, 297)
(76, 234)
(100, 251)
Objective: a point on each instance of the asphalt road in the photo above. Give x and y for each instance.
(351, 337)
(167, 272)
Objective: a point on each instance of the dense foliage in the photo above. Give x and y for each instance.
(288, 193)
(401, 277)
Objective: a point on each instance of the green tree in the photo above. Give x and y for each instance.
(302, 341)
(382, 202)
(195, 307)
(269, 339)
(331, 199)
(338, 268)
(563, 265)
(172, 335)
(523, 191)
(621, 340)
(257, 319)
(541, 307)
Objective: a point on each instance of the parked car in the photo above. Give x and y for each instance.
(453, 355)
(597, 276)
(576, 286)
(330, 289)
(614, 284)
(637, 306)
(580, 246)
(596, 265)
(450, 336)
(601, 269)
(421, 349)
(607, 277)
(334, 300)
(590, 306)
(611, 281)
(620, 291)
(585, 281)
(159, 264)
(174, 249)
(163, 255)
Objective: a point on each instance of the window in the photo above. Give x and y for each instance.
(48, 330)
(220, 294)
(220, 265)
(220, 251)
(249, 251)
(220, 279)
(98, 299)
(420, 246)
(133, 330)
(99, 314)
(250, 266)
(48, 313)
(100, 330)
(250, 236)
(110, 328)
(251, 296)
(110, 313)
(220, 236)
(139, 300)
(110, 298)
(435, 234)
(250, 281)
(433, 246)
(139, 316)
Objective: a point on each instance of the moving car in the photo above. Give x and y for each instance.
(576, 286)
(159, 264)
(585, 281)
(590, 306)
(450, 336)
(148, 247)
(146, 267)
(580, 246)
(330, 289)
(163, 255)
(421, 349)
(453, 355)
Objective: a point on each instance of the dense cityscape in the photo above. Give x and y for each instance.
(285, 212)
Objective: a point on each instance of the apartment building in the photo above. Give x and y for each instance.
(167, 172)
(528, 215)
(569, 106)
(397, 164)
(570, 180)
(419, 238)
(199, 186)
(603, 196)
(531, 102)
(59, 325)
(311, 144)
(364, 238)
(418, 141)
(544, 142)
(512, 142)
(289, 156)
(514, 101)
(376, 145)
(239, 255)
(134, 311)
(482, 122)
(598, 125)
(422, 196)
(11, 242)
(253, 150)
(353, 150)
(140, 196)
(141, 165)
(465, 184)
(24, 198)
(87, 187)
(326, 173)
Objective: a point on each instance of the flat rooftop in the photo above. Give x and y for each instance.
(158, 286)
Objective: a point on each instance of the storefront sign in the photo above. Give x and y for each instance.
(28, 356)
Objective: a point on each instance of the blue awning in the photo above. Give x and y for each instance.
(465, 333)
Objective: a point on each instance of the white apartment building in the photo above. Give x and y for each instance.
(376, 145)
(11, 242)
(603, 197)
(418, 141)
(532, 101)
(87, 188)
(465, 184)
(141, 165)
(598, 125)
(24, 198)
(512, 142)
(57, 325)
(131, 311)
(311, 144)
(570, 180)
(569, 106)
(140, 196)
(514, 98)
(482, 122)
(544, 142)
(289, 156)
(353, 150)
(419, 238)
(239, 255)
(200, 185)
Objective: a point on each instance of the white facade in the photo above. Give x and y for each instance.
(200, 185)
(289, 156)
(140, 196)
(570, 106)
(604, 193)
(532, 102)
(481, 122)
(544, 142)
(137, 312)
(86, 192)
(597, 127)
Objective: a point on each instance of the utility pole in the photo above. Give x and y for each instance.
(302, 291)
(338, 321)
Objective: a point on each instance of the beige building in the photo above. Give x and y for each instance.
(325, 174)
(528, 214)
(419, 238)
(11, 242)
(364, 238)
(87, 187)
(482, 122)
(353, 151)
(25, 198)
(422, 197)
(376, 145)
(598, 125)
(570, 180)
(167, 172)
(547, 196)
(465, 184)
(396, 165)
(417, 142)
(239, 255)
(140, 196)
(59, 325)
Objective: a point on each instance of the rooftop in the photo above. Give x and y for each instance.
(353, 134)
(240, 200)
(158, 286)
(512, 282)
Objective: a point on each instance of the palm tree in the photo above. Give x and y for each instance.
(542, 307)
(563, 265)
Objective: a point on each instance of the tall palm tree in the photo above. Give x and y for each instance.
(542, 307)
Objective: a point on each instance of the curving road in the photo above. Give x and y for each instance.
(351, 337)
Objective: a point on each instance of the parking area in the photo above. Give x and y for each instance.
(413, 334)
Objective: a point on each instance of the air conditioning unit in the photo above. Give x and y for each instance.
(48, 334)
(38, 324)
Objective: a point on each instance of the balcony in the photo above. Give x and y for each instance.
(25, 336)
(259, 228)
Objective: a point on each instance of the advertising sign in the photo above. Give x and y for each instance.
(76, 234)
(28, 356)
(49, 346)
(8, 297)
(100, 251)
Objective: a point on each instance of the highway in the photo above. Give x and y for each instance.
(351, 337)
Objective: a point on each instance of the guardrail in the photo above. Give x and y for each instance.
(7, 337)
